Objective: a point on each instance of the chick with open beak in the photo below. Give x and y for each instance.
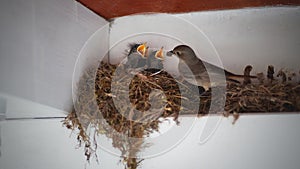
(155, 60)
(136, 57)
(142, 49)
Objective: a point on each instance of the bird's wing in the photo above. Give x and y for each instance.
(219, 74)
(214, 69)
(203, 74)
(194, 74)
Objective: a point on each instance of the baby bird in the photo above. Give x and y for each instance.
(155, 60)
(136, 57)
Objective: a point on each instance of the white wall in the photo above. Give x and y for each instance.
(255, 141)
(40, 42)
(253, 36)
(42, 39)
(259, 37)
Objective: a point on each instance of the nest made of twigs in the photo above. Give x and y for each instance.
(95, 106)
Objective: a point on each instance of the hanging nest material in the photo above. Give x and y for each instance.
(95, 107)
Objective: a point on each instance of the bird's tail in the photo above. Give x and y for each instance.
(232, 75)
(237, 78)
(243, 76)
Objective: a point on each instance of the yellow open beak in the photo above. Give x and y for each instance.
(160, 54)
(142, 50)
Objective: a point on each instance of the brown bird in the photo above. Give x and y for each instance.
(201, 73)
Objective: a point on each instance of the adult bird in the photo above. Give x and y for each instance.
(201, 73)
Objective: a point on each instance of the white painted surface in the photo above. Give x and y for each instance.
(256, 141)
(16, 107)
(40, 42)
(259, 37)
(36, 144)
(42, 39)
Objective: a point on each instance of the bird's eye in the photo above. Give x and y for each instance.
(177, 53)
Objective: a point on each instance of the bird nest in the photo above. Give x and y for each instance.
(96, 108)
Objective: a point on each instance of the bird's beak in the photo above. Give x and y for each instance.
(142, 50)
(170, 53)
(160, 54)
